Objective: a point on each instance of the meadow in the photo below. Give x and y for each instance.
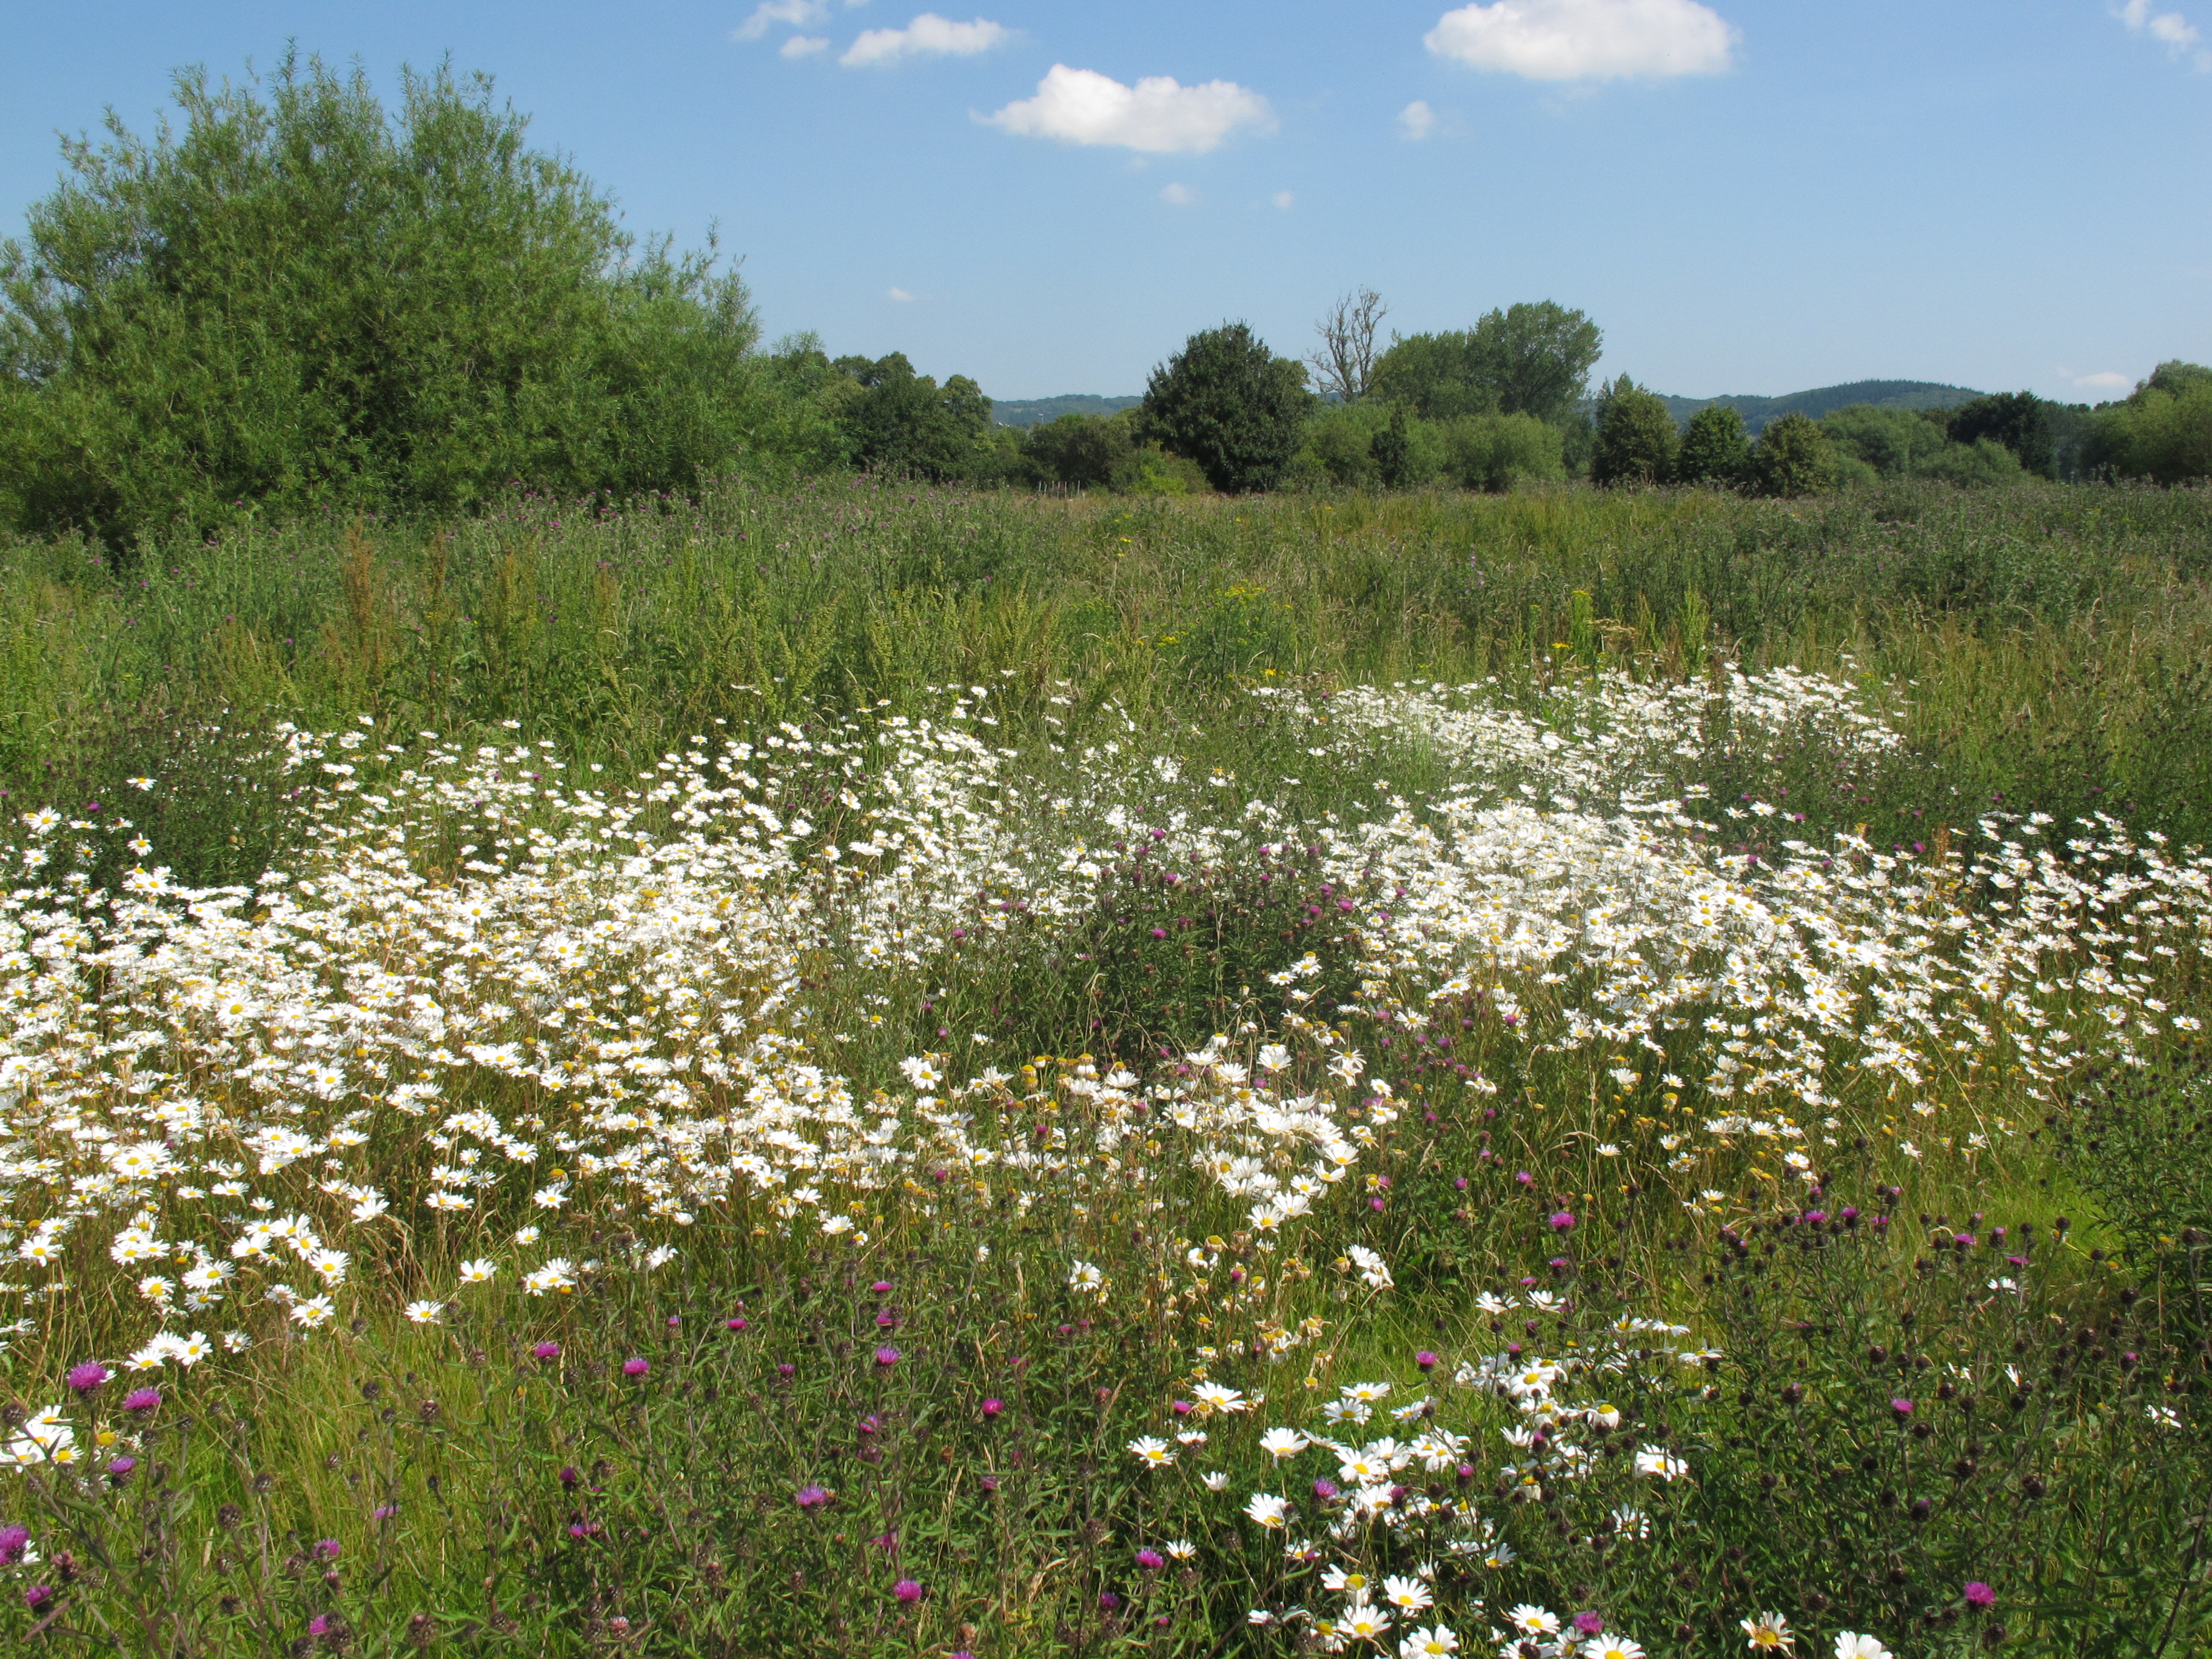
(864, 1068)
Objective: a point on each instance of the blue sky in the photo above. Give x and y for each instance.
(1747, 195)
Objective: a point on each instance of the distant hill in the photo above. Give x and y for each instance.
(1035, 411)
(1887, 394)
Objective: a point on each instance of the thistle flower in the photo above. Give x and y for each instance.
(993, 1408)
(15, 1542)
(84, 1379)
(1979, 1594)
(141, 1401)
(907, 1590)
(637, 1366)
(887, 1357)
(812, 1497)
(546, 1351)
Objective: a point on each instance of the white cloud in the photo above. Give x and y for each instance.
(1179, 196)
(796, 12)
(927, 36)
(2169, 28)
(902, 296)
(1416, 121)
(1586, 40)
(2109, 380)
(1285, 199)
(804, 45)
(1081, 106)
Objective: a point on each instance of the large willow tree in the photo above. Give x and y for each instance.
(304, 300)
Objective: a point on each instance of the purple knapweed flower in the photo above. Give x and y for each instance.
(1590, 1624)
(635, 1367)
(1523, 1178)
(320, 1624)
(881, 1287)
(569, 1478)
(38, 1595)
(546, 1351)
(142, 1400)
(736, 1324)
(907, 1590)
(14, 1542)
(1108, 1600)
(787, 1368)
(1902, 1407)
(1425, 1360)
(1150, 1560)
(327, 1549)
(84, 1379)
(993, 1408)
(1561, 1220)
(811, 1497)
(1324, 1489)
(1979, 1594)
(887, 1357)
(118, 1469)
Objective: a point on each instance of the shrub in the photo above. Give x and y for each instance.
(1715, 449)
(1227, 402)
(1636, 437)
(2019, 421)
(900, 421)
(1494, 452)
(1794, 457)
(1081, 449)
(2163, 431)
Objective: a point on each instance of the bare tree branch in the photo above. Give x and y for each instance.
(1347, 357)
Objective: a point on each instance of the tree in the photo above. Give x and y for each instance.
(1539, 358)
(1440, 377)
(1082, 449)
(2018, 419)
(1345, 362)
(1636, 437)
(1392, 451)
(1896, 443)
(1533, 358)
(1794, 457)
(306, 301)
(1715, 448)
(1231, 406)
(903, 422)
(2162, 432)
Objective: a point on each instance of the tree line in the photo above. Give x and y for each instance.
(297, 299)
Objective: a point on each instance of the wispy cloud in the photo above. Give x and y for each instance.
(1158, 115)
(1286, 200)
(793, 14)
(902, 296)
(2169, 28)
(927, 36)
(1416, 121)
(1179, 196)
(1586, 40)
(805, 45)
(2109, 379)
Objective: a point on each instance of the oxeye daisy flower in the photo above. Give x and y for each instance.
(1849, 1645)
(1406, 1594)
(1362, 1622)
(1283, 1442)
(1532, 1620)
(1152, 1453)
(1268, 1510)
(1434, 1642)
(1768, 1632)
(1617, 1647)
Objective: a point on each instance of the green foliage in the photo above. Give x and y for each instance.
(306, 302)
(1531, 359)
(1636, 437)
(1896, 443)
(1089, 450)
(2140, 1144)
(901, 423)
(2163, 431)
(1227, 402)
(1348, 445)
(1494, 452)
(1715, 448)
(1793, 457)
(2019, 421)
